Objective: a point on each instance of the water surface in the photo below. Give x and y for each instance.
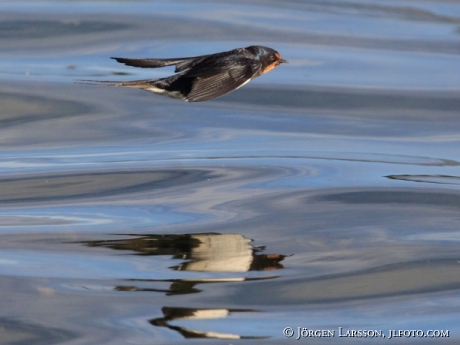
(324, 195)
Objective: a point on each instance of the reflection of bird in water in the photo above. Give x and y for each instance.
(205, 77)
(211, 252)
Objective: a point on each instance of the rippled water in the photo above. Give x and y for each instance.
(323, 195)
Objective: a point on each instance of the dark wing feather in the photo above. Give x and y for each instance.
(150, 63)
(220, 80)
(181, 63)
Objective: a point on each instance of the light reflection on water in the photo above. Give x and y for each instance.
(322, 195)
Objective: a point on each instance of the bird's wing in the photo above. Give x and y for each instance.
(181, 63)
(220, 79)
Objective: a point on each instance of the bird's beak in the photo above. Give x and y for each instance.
(283, 61)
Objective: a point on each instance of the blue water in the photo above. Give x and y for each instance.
(324, 195)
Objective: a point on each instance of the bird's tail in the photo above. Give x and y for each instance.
(139, 84)
(162, 86)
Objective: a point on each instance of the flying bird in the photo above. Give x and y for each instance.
(201, 78)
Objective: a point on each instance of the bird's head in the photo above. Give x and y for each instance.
(269, 57)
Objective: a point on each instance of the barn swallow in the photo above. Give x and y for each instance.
(201, 78)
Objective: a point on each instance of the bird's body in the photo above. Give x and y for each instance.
(205, 77)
